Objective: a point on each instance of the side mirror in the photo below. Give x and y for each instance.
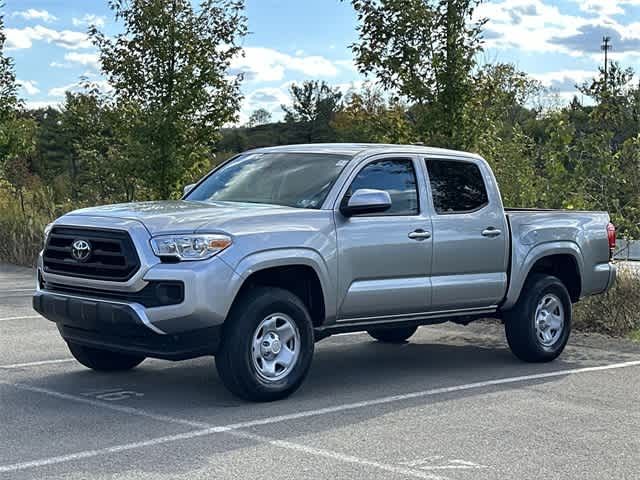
(188, 188)
(366, 200)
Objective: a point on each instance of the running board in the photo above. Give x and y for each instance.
(423, 318)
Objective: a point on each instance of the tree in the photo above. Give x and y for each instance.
(313, 106)
(368, 117)
(17, 132)
(259, 117)
(8, 87)
(172, 62)
(425, 51)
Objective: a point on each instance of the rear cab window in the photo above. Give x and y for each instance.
(457, 186)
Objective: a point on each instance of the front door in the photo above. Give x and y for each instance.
(384, 258)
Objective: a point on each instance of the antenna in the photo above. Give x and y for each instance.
(605, 47)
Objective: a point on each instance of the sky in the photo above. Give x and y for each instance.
(557, 42)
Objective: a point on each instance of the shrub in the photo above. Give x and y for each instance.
(21, 228)
(616, 312)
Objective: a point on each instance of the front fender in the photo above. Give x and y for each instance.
(282, 257)
(523, 262)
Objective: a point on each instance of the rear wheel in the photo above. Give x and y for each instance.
(539, 325)
(267, 346)
(392, 334)
(103, 360)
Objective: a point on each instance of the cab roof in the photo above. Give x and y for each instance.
(355, 149)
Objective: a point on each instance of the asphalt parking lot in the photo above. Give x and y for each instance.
(451, 404)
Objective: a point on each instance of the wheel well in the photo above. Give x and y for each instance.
(565, 267)
(301, 280)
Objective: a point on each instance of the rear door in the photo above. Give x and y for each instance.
(470, 235)
(384, 258)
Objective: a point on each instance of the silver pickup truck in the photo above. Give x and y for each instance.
(280, 247)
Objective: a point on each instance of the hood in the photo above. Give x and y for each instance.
(181, 216)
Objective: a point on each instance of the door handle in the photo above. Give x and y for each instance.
(419, 234)
(491, 232)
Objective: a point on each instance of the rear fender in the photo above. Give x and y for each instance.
(521, 266)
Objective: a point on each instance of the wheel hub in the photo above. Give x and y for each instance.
(276, 347)
(271, 345)
(549, 320)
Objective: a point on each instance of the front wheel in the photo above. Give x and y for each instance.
(392, 334)
(539, 325)
(103, 360)
(267, 345)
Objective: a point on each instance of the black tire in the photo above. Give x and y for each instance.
(392, 334)
(234, 360)
(520, 321)
(103, 360)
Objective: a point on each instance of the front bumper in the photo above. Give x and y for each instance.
(111, 315)
(121, 327)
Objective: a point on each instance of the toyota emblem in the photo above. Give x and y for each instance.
(80, 250)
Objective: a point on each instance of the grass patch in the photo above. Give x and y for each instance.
(635, 335)
(616, 312)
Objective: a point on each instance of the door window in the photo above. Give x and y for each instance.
(456, 186)
(395, 176)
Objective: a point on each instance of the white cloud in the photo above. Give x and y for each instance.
(268, 65)
(35, 104)
(528, 25)
(346, 65)
(60, 91)
(269, 98)
(29, 86)
(22, 38)
(55, 64)
(33, 14)
(536, 26)
(564, 80)
(89, 19)
(86, 59)
(102, 85)
(605, 7)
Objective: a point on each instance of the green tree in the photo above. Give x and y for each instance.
(172, 61)
(313, 107)
(8, 87)
(368, 117)
(17, 131)
(259, 117)
(425, 51)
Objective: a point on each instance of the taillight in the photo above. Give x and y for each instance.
(611, 235)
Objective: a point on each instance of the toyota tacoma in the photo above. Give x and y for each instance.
(280, 247)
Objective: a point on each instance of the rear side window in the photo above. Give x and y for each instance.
(395, 176)
(457, 187)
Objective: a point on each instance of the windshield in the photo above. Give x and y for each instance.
(300, 180)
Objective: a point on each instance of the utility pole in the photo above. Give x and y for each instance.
(606, 46)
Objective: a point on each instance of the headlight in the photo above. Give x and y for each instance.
(47, 231)
(189, 247)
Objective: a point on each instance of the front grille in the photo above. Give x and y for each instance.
(113, 256)
(157, 293)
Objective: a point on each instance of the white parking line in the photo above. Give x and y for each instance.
(110, 406)
(35, 364)
(26, 317)
(17, 290)
(104, 451)
(271, 420)
(341, 457)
